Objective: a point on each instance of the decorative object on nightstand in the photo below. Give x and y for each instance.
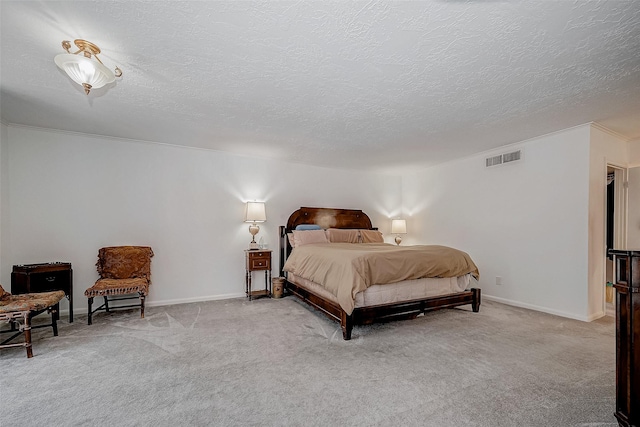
(398, 227)
(257, 261)
(254, 213)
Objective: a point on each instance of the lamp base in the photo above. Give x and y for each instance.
(254, 229)
(398, 240)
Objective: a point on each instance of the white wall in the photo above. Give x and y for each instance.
(71, 194)
(536, 223)
(633, 222)
(634, 153)
(606, 148)
(4, 204)
(526, 222)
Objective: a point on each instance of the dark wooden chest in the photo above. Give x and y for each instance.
(627, 285)
(54, 276)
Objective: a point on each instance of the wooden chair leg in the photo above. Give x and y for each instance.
(106, 304)
(54, 318)
(89, 320)
(27, 335)
(141, 306)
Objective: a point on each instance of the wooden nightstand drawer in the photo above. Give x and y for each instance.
(259, 254)
(259, 260)
(260, 264)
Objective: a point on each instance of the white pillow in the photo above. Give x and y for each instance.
(306, 237)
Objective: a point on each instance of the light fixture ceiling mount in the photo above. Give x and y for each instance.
(82, 69)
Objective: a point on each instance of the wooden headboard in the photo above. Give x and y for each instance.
(325, 218)
(329, 218)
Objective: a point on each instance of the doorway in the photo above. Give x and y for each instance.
(615, 227)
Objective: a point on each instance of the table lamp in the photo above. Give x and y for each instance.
(398, 227)
(254, 213)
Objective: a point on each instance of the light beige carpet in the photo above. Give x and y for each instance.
(277, 362)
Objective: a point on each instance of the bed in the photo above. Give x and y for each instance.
(366, 300)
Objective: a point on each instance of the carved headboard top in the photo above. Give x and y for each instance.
(329, 218)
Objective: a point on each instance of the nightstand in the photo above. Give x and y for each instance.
(258, 260)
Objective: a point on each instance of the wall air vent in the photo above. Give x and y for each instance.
(494, 161)
(503, 158)
(511, 157)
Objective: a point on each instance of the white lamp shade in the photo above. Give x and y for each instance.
(84, 70)
(255, 212)
(398, 226)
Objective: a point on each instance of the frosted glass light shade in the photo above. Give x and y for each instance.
(255, 212)
(83, 70)
(398, 226)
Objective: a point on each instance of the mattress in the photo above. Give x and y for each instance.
(405, 290)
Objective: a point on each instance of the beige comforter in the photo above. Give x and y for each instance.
(345, 269)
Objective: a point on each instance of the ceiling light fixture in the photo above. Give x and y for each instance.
(82, 69)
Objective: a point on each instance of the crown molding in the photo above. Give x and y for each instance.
(609, 131)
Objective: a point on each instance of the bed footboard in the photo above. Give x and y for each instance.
(383, 312)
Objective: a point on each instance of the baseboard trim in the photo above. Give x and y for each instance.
(590, 318)
(83, 310)
(194, 299)
(544, 309)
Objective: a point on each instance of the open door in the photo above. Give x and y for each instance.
(616, 226)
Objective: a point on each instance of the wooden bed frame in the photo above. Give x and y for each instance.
(351, 218)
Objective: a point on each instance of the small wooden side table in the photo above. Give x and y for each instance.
(46, 277)
(258, 260)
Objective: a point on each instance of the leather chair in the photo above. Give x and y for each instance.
(125, 273)
(18, 310)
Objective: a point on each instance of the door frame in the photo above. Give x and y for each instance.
(620, 218)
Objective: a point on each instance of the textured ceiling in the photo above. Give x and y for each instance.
(364, 85)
